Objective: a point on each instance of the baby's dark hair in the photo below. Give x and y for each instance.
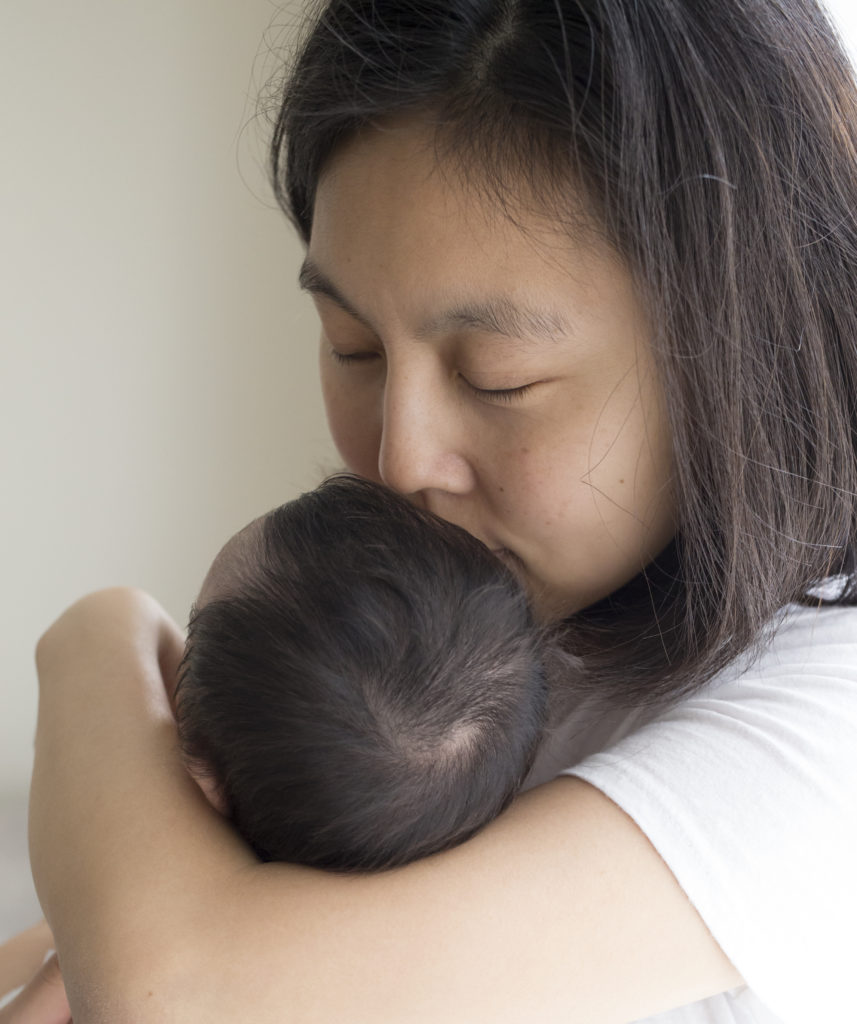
(372, 692)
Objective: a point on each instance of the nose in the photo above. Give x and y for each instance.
(424, 443)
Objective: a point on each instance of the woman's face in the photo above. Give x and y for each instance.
(497, 373)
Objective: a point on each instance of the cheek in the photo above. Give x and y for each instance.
(594, 472)
(354, 422)
(623, 454)
(529, 483)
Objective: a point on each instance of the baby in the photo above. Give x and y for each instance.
(363, 682)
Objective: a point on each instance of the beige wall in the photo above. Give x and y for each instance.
(157, 365)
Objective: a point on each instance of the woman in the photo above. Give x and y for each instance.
(585, 274)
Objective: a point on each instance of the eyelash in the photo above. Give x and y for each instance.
(351, 357)
(507, 395)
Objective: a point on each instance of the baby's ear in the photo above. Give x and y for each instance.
(210, 787)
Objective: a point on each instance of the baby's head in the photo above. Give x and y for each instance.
(362, 681)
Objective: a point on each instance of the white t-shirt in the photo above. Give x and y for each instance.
(748, 790)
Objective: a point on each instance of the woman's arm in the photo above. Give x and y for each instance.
(560, 910)
(110, 798)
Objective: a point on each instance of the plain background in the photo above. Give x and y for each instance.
(157, 363)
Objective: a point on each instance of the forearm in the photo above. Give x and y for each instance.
(88, 704)
(110, 797)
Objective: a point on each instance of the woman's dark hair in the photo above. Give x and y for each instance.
(372, 690)
(715, 148)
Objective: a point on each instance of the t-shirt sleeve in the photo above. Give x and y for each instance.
(748, 791)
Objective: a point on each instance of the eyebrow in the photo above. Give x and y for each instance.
(499, 315)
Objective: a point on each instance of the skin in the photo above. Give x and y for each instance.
(22, 962)
(548, 440)
(21, 955)
(235, 561)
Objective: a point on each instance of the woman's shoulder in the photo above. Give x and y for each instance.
(807, 655)
(802, 635)
(782, 716)
(748, 790)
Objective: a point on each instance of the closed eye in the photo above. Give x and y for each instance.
(507, 395)
(499, 395)
(352, 357)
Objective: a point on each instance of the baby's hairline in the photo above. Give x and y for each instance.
(234, 564)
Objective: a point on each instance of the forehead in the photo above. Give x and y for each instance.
(417, 151)
(398, 231)
(236, 563)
